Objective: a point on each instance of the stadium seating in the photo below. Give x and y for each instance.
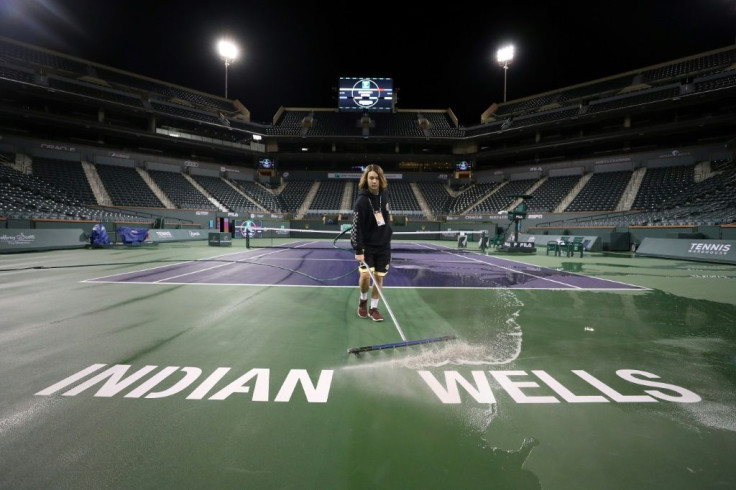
(661, 184)
(465, 199)
(403, 200)
(294, 194)
(716, 81)
(126, 187)
(20, 74)
(224, 193)
(551, 192)
(436, 195)
(28, 197)
(546, 116)
(95, 91)
(123, 102)
(690, 67)
(634, 99)
(185, 112)
(290, 124)
(399, 124)
(179, 190)
(503, 199)
(328, 197)
(266, 198)
(602, 192)
(66, 175)
(709, 202)
(440, 125)
(29, 56)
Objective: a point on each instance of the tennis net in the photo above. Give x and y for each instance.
(428, 241)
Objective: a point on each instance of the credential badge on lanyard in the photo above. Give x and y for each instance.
(377, 214)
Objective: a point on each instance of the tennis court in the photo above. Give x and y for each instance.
(191, 366)
(319, 262)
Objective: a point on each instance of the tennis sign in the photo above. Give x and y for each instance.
(452, 387)
(723, 251)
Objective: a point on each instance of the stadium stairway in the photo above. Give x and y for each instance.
(629, 194)
(573, 193)
(98, 188)
(304, 209)
(239, 191)
(204, 192)
(155, 188)
(347, 196)
(422, 202)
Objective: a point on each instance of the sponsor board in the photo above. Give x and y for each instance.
(709, 248)
(17, 239)
(163, 235)
(687, 249)
(50, 146)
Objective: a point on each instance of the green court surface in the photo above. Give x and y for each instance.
(121, 385)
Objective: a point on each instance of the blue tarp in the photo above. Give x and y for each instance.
(132, 236)
(99, 236)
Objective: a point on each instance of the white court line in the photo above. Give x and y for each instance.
(173, 264)
(217, 266)
(388, 307)
(543, 267)
(508, 268)
(449, 288)
(447, 251)
(582, 275)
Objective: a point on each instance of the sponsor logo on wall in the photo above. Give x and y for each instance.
(709, 248)
(19, 239)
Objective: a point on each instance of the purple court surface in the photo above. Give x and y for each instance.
(420, 266)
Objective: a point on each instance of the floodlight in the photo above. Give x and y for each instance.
(504, 57)
(229, 51)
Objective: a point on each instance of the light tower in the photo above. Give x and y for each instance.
(229, 51)
(504, 57)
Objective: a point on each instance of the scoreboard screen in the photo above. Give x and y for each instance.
(365, 94)
(266, 163)
(463, 166)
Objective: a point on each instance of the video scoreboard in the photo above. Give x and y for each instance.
(365, 94)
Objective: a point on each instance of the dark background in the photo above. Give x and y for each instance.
(439, 57)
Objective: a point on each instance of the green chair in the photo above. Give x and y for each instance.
(554, 247)
(576, 245)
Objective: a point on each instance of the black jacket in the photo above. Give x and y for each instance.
(365, 232)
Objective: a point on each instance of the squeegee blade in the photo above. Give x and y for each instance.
(405, 343)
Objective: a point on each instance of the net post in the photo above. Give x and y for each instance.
(247, 239)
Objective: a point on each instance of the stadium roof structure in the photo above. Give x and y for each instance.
(686, 101)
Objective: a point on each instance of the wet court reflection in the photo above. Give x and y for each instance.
(409, 270)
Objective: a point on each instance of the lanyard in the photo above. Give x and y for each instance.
(379, 204)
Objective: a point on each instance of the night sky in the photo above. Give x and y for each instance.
(439, 57)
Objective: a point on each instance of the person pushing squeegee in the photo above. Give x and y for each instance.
(370, 237)
(404, 342)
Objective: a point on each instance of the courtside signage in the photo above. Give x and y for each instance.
(709, 248)
(451, 387)
(705, 250)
